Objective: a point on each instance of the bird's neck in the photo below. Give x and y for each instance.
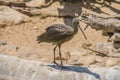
(75, 29)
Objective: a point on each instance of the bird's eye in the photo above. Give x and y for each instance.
(76, 23)
(84, 16)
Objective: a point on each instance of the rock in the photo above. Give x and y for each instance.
(36, 28)
(87, 60)
(11, 0)
(111, 62)
(99, 22)
(109, 25)
(106, 48)
(116, 44)
(82, 60)
(38, 7)
(9, 16)
(68, 9)
(4, 48)
(116, 40)
(3, 43)
(18, 69)
(78, 53)
(103, 50)
(12, 3)
(74, 62)
(100, 59)
(36, 3)
(74, 57)
(25, 0)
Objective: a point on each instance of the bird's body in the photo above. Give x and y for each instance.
(57, 34)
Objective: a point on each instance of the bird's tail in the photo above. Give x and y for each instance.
(40, 38)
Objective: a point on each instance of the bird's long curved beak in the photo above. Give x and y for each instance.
(82, 20)
(79, 18)
(82, 32)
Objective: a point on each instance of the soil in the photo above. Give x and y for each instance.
(25, 35)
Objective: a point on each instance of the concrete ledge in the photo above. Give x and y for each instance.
(13, 68)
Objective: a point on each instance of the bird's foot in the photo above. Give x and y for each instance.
(61, 67)
(55, 63)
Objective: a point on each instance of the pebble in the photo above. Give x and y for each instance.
(83, 60)
(111, 62)
(3, 43)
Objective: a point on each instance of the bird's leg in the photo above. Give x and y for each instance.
(60, 55)
(54, 54)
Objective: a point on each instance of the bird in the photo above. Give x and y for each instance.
(57, 34)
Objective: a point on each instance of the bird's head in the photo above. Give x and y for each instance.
(75, 22)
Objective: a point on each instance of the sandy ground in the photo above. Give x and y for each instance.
(24, 37)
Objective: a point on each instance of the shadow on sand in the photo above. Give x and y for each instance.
(76, 69)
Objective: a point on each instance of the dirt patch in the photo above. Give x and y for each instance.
(24, 37)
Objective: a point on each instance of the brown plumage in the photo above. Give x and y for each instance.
(58, 34)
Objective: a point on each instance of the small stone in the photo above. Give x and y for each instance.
(3, 43)
(36, 3)
(97, 65)
(50, 69)
(111, 62)
(74, 62)
(36, 28)
(83, 60)
(87, 60)
(11, 16)
(100, 59)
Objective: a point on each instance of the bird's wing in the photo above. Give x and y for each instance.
(60, 29)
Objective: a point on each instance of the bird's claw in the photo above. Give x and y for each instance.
(55, 63)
